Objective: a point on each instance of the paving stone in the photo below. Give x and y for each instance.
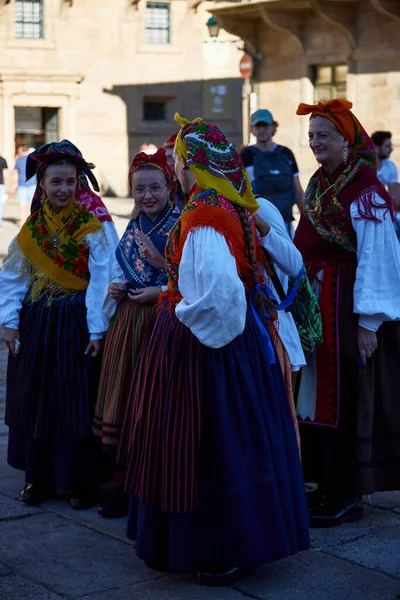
(90, 518)
(17, 588)
(314, 575)
(170, 588)
(12, 484)
(4, 570)
(380, 551)
(386, 499)
(13, 509)
(68, 558)
(374, 519)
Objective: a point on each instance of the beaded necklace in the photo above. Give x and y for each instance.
(155, 227)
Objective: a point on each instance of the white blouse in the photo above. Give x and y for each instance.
(14, 286)
(214, 301)
(111, 234)
(377, 285)
(288, 263)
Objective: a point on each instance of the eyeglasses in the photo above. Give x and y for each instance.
(155, 190)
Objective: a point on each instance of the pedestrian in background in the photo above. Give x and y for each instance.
(272, 168)
(3, 175)
(25, 188)
(348, 400)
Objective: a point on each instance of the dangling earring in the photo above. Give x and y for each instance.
(345, 154)
(43, 198)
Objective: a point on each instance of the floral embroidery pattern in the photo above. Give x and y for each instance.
(72, 255)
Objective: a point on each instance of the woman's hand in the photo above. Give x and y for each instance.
(261, 225)
(94, 347)
(147, 295)
(116, 291)
(10, 336)
(367, 343)
(152, 254)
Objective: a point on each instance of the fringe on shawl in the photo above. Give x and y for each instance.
(40, 284)
(366, 204)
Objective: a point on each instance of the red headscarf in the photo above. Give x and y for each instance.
(158, 160)
(171, 141)
(338, 112)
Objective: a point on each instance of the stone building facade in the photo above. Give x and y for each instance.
(309, 50)
(109, 75)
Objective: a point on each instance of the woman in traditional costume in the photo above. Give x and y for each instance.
(348, 400)
(52, 284)
(132, 295)
(84, 195)
(208, 436)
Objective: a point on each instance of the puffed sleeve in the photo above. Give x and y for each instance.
(277, 242)
(100, 259)
(214, 301)
(109, 304)
(14, 285)
(377, 285)
(111, 234)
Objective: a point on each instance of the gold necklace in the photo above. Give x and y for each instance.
(54, 237)
(154, 228)
(325, 192)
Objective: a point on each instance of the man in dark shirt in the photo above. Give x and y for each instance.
(272, 168)
(3, 170)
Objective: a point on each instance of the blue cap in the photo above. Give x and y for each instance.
(261, 115)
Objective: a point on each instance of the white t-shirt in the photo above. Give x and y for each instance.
(388, 172)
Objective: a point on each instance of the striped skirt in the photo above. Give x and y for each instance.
(122, 345)
(211, 451)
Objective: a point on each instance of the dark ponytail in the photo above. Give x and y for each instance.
(261, 301)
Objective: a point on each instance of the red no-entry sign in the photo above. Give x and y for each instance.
(246, 66)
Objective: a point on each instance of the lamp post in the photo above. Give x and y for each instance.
(213, 27)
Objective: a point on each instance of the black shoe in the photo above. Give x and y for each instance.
(113, 511)
(332, 514)
(157, 565)
(34, 494)
(225, 576)
(82, 500)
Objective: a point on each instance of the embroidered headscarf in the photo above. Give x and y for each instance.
(53, 243)
(157, 160)
(338, 112)
(214, 161)
(36, 165)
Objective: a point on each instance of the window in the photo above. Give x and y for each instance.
(35, 125)
(158, 23)
(154, 109)
(329, 81)
(29, 19)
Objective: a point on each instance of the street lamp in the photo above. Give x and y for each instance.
(213, 27)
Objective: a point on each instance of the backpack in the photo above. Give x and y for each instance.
(273, 179)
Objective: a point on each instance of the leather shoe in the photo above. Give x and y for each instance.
(34, 494)
(116, 508)
(214, 577)
(82, 501)
(332, 514)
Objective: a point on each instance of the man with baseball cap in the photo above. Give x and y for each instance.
(272, 168)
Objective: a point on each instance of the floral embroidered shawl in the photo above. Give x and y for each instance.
(64, 269)
(138, 272)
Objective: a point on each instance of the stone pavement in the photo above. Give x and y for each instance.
(52, 552)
